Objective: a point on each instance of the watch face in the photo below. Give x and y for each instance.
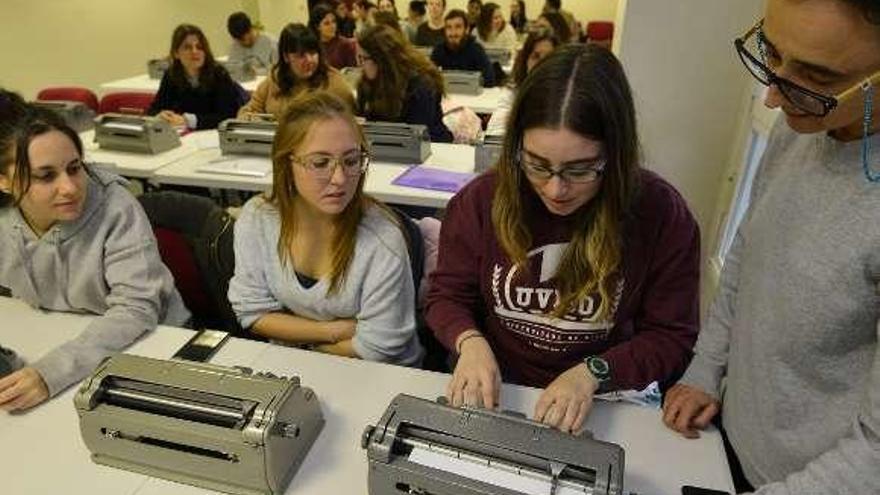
(598, 367)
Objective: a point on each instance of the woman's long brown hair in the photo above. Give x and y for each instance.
(398, 61)
(581, 88)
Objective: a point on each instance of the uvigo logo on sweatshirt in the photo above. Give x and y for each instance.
(524, 304)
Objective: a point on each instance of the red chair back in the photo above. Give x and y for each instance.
(133, 103)
(181, 262)
(600, 31)
(70, 93)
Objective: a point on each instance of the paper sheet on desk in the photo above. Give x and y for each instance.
(435, 179)
(242, 166)
(475, 469)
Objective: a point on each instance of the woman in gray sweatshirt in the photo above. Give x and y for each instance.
(318, 262)
(74, 239)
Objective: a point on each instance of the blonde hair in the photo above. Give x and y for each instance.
(293, 127)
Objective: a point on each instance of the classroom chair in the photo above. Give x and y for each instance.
(70, 93)
(126, 102)
(194, 237)
(436, 356)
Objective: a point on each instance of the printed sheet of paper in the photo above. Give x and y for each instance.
(479, 470)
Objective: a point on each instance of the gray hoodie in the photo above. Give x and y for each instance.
(104, 263)
(794, 330)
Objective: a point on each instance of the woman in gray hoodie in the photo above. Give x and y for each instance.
(74, 239)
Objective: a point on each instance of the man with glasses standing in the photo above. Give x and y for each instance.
(789, 353)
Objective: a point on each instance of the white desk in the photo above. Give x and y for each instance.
(130, 164)
(485, 102)
(143, 84)
(453, 157)
(43, 451)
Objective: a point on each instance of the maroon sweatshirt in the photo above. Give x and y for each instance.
(656, 314)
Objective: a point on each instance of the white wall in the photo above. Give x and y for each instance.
(689, 88)
(87, 42)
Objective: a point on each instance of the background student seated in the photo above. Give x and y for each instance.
(301, 69)
(73, 239)
(540, 42)
(567, 267)
(492, 31)
(339, 52)
(318, 262)
(196, 91)
(249, 46)
(399, 84)
(432, 31)
(460, 51)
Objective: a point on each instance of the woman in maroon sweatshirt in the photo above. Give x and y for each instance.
(567, 267)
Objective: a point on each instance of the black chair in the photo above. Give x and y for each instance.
(436, 356)
(195, 240)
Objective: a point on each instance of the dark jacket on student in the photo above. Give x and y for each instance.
(420, 106)
(655, 314)
(210, 105)
(425, 36)
(470, 56)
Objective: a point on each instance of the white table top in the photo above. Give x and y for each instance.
(132, 164)
(485, 102)
(352, 393)
(452, 157)
(143, 84)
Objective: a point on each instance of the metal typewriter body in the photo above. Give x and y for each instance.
(398, 143)
(495, 440)
(247, 137)
(487, 152)
(156, 67)
(139, 134)
(76, 114)
(240, 71)
(225, 429)
(501, 56)
(463, 82)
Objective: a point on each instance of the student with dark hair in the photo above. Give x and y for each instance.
(539, 44)
(518, 18)
(364, 10)
(345, 22)
(555, 7)
(557, 23)
(73, 239)
(415, 18)
(399, 84)
(301, 69)
(789, 352)
(196, 92)
(567, 266)
(492, 30)
(474, 10)
(461, 51)
(388, 6)
(249, 46)
(432, 31)
(319, 263)
(338, 51)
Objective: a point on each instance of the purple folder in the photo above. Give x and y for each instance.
(435, 179)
